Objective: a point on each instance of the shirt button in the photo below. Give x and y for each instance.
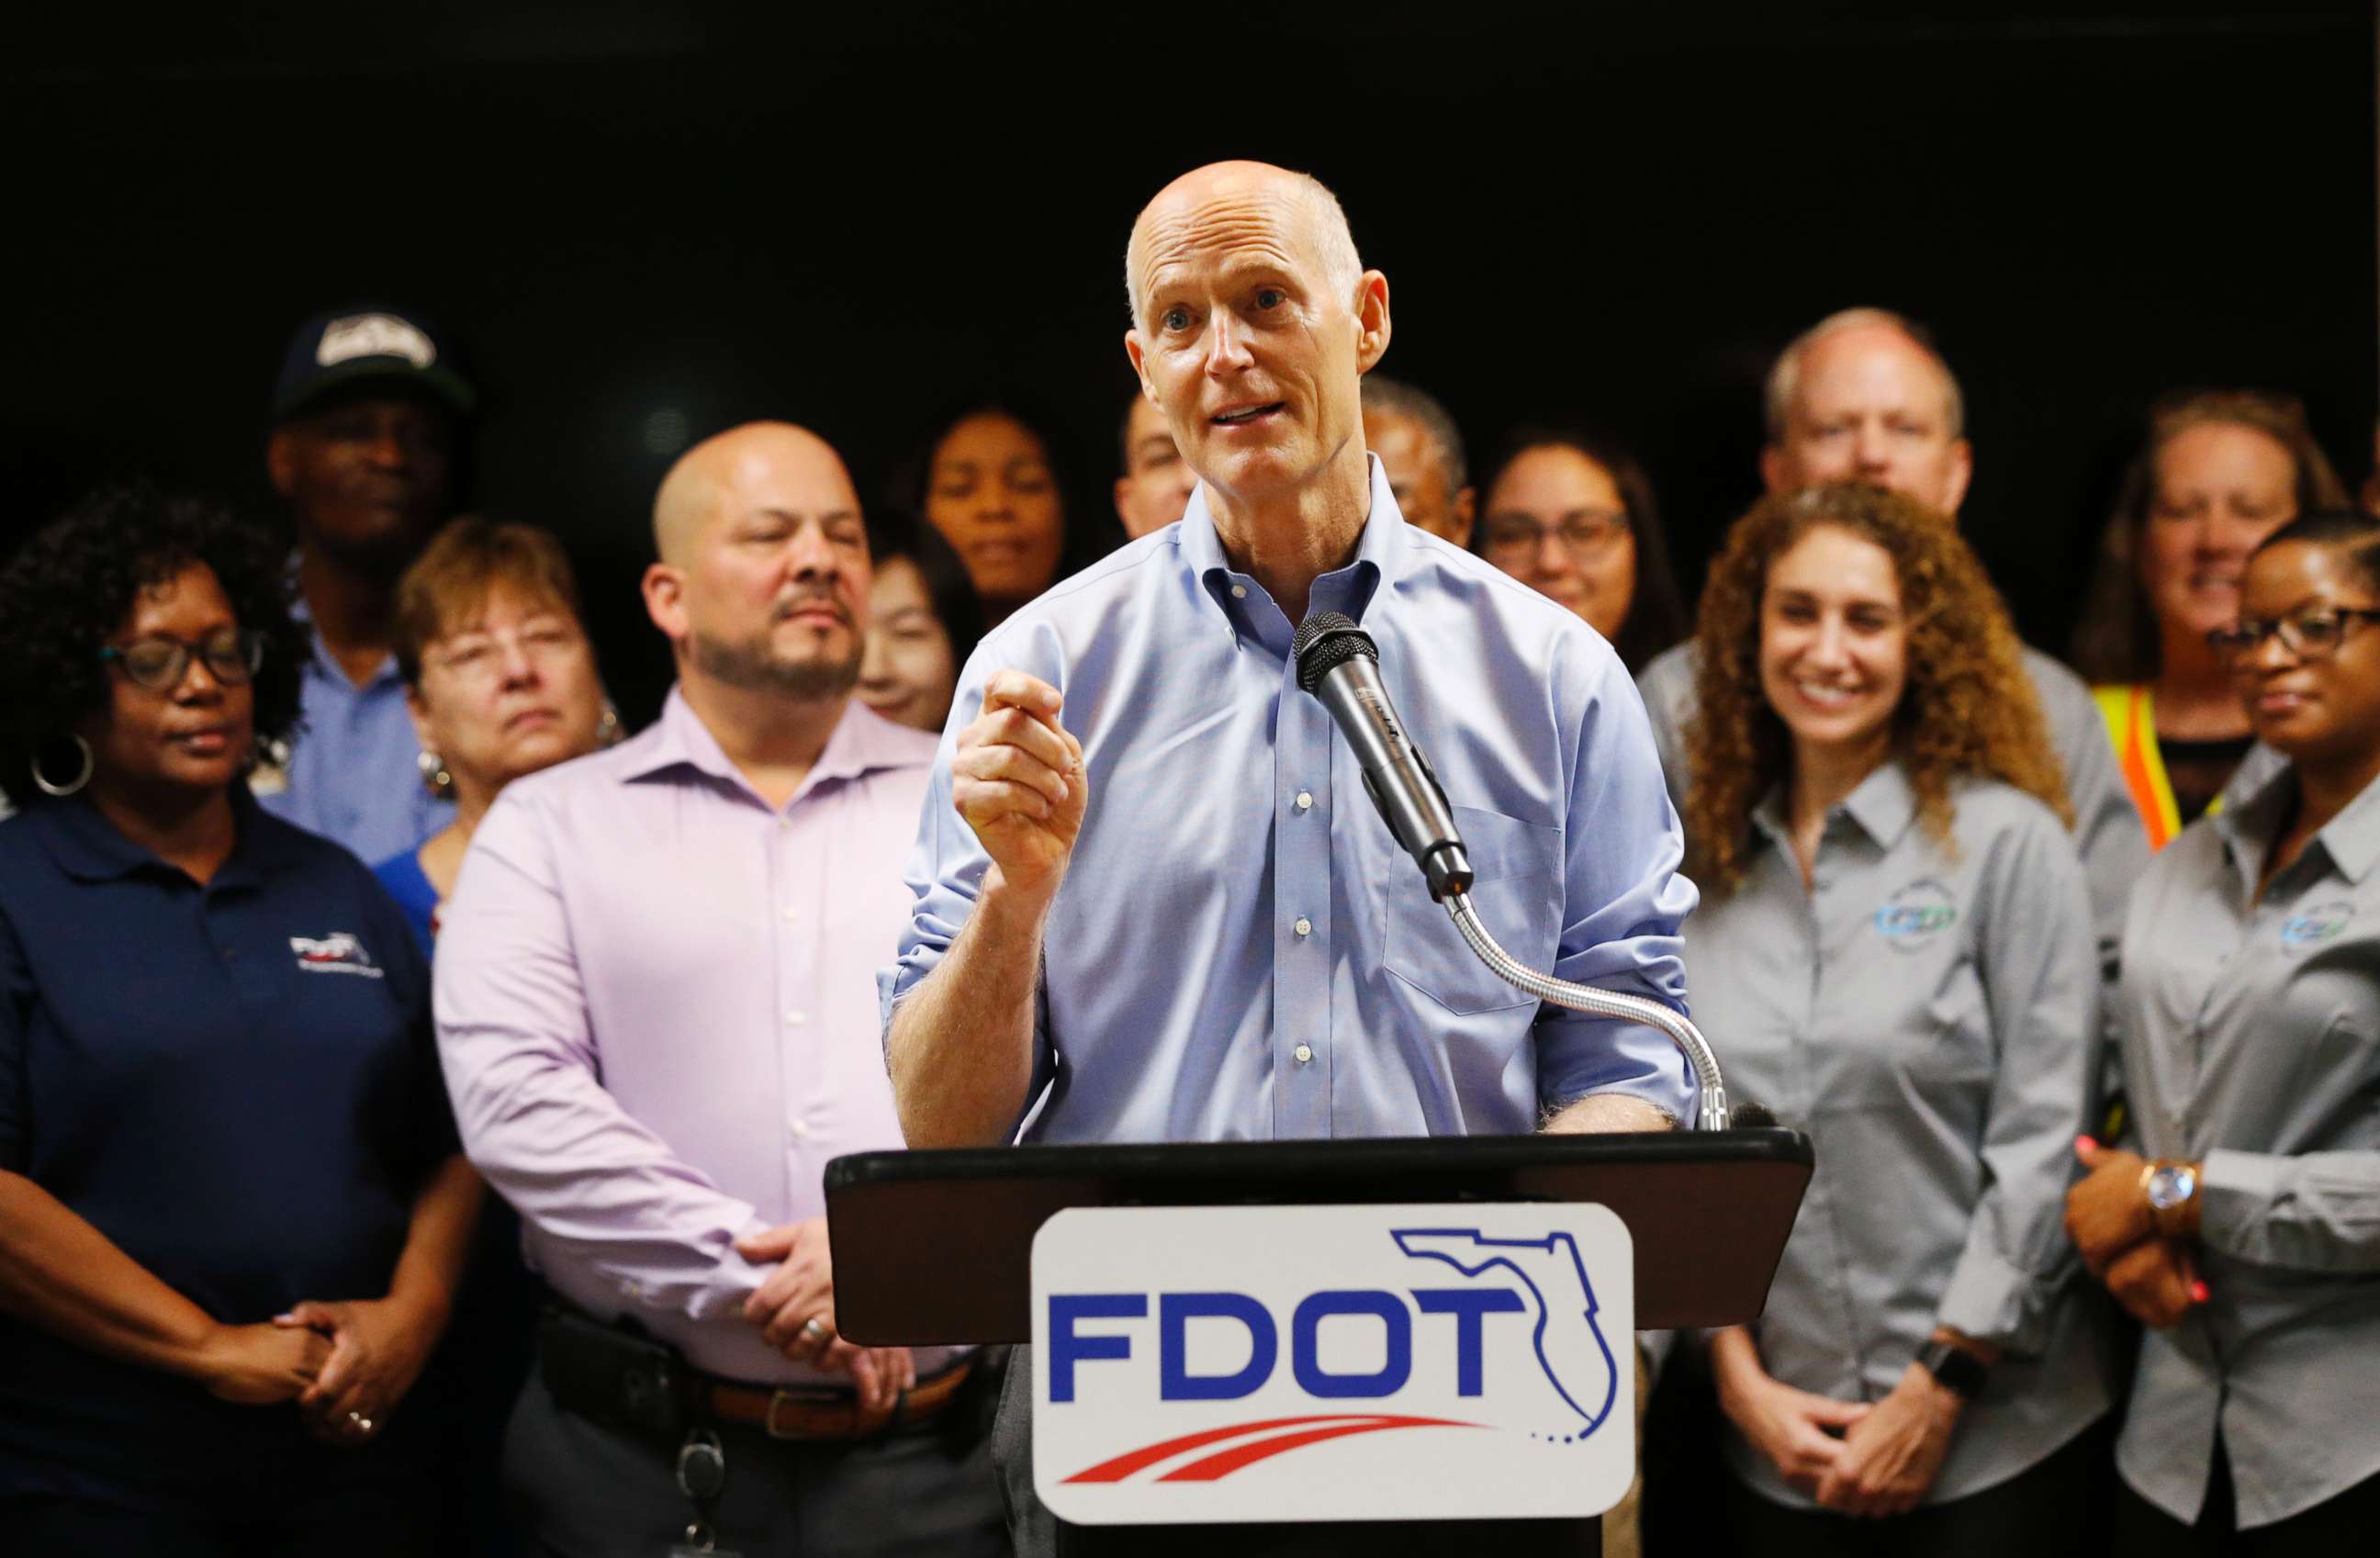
(1303, 926)
(793, 913)
(1305, 801)
(1239, 592)
(801, 1131)
(1304, 1053)
(795, 1019)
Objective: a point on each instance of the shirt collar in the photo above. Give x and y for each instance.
(319, 662)
(88, 847)
(1882, 807)
(862, 743)
(2351, 839)
(1884, 804)
(1380, 551)
(2353, 835)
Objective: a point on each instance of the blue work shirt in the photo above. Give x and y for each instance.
(353, 774)
(236, 1084)
(1240, 949)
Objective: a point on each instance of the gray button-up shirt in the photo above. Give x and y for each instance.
(2107, 830)
(2252, 1038)
(1928, 1017)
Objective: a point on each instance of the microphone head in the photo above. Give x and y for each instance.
(1324, 642)
(1750, 1115)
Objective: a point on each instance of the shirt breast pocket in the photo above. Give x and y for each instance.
(1516, 869)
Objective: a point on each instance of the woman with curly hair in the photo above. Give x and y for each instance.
(232, 1211)
(1896, 943)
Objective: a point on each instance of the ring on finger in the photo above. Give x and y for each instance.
(359, 1422)
(812, 1331)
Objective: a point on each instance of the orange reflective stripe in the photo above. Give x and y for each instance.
(2132, 726)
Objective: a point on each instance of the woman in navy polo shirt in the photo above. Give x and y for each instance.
(232, 1212)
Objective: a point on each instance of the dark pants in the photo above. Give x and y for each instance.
(2057, 1508)
(1039, 1534)
(2346, 1522)
(582, 1490)
(350, 1527)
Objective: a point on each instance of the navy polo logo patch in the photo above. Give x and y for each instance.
(1917, 914)
(338, 952)
(2311, 927)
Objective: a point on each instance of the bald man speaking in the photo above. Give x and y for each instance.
(657, 1022)
(1153, 902)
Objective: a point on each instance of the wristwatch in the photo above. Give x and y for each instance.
(2169, 1187)
(1954, 1368)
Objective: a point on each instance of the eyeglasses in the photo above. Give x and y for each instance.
(1514, 538)
(159, 663)
(2315, 633)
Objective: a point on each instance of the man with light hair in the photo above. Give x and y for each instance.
(1423, 450)
(1863, 395)
(1231, 945)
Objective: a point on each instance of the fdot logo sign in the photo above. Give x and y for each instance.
(1332, 1362)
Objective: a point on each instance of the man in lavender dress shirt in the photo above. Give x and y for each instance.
(656, 1015)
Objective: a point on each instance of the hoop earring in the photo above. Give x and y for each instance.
(51, 786)
(434, 777)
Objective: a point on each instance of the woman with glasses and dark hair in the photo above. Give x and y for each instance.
(232, 1212)
(1571, 512)
(2218, 471)
(2240, 1221)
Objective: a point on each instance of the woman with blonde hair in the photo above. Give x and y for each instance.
(1896, 942)
(2218, 471)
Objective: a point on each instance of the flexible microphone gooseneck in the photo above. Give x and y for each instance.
(1338, 662)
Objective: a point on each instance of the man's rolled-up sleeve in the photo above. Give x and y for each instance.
(523, 1068)
(946, 865)
(1623, 902)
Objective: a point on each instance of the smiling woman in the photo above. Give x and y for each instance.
(1896, 940)
(2217, 471)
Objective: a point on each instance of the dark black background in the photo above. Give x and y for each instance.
(644, 218)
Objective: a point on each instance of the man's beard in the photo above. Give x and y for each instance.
(754, 666)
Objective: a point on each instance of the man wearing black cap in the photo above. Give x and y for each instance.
(365, 422)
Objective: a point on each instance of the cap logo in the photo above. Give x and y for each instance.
(374, 335)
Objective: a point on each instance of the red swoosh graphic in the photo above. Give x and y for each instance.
(1123, 1466)
(1213, 1467)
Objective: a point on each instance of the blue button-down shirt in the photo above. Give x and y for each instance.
(353, 774)
(1240, 949)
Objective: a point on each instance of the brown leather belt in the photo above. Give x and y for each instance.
(805, 1413)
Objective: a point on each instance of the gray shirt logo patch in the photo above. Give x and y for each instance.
(2311, 927)
(1913, 917)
